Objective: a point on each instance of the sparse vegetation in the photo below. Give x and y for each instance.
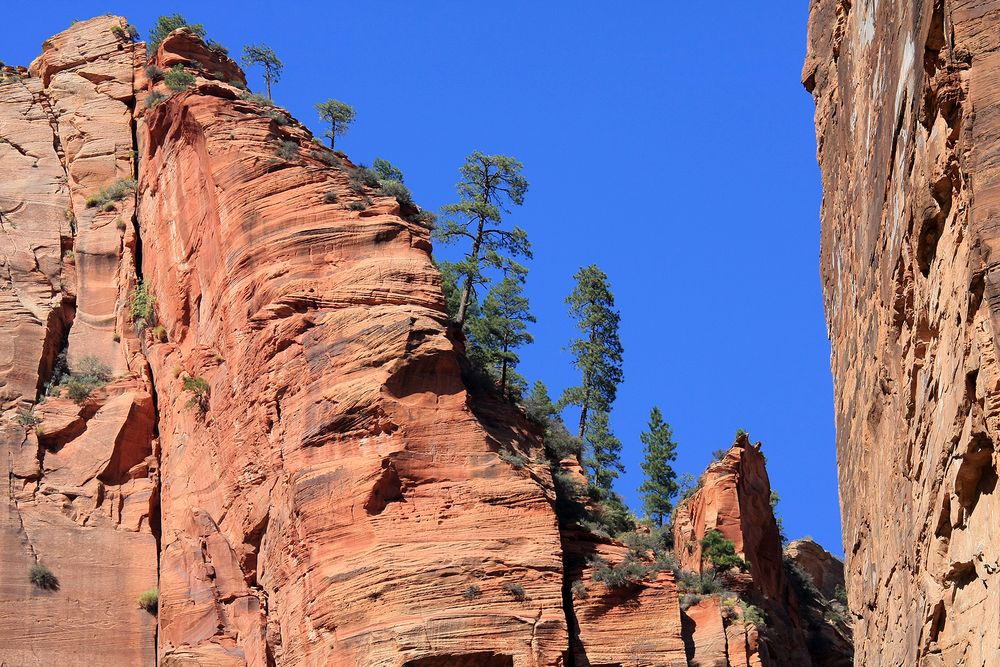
(471, 593)
(840, 594)
(330, 197)
(359, 204)
(154, 98)
(629, 572)
(109, 194)
(128, 33)
(178, 79)
(579, 590)
(688, 600)
(142, 303)
(159, 333)
(42, 577)
(753, 615)
(278, 117)
(516, 591)
(328, 158)
(720, 552)
(199, 389)
(363, 177)
(515, 460)
(800, 580)
(255, 98)
(705, 583)
(395, 189)
(154, 73)
(27, 417)
(261, 54)
(90, 374)
(288, 150)
(166, 25)
(150, 600)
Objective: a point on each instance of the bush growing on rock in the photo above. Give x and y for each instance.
(178, 79)
(116, 191)
(150, 600)
(359, 204)
(471, 593)
(141, 305)
(128, 33)
(330, 198)
(42, 577)
(516, 591)
(514, 459)
(27, 418)
(255, 98)
(166, 25)
(720, 552)
(288, 150)
(154, 98)
(155, 73)
(629, 572)
(395, 189)
(89, 375)
(199, 389)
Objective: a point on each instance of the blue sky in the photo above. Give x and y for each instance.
(669, 143)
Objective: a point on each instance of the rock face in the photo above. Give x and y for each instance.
(908, 129)
(81, 476)
(734, 497)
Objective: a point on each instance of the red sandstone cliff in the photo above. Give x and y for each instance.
(286, 448)
(908, 131)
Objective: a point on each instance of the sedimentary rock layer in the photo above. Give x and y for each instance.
(908, 131)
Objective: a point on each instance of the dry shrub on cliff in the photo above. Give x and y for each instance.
(154, 73)
(89, 374)
(514, 459)
(27, 418)
(330, 198)
(42, 577)
(150, 600)
(800, 580)
(117, 191)
(516, 591)
(256, 98)
(288, 150)
(359, 204)
(629, 572)
(154, 98)
(397, 190)
(128, 33)
(471, 593)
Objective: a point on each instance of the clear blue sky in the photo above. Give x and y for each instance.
(670, 143)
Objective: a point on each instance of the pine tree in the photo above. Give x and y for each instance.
(166, 25)
(261, 54)
(603, 462)
(559, 443)
(598, 353)
(339, 115)
(502, 328)
(489, 185)
(660, 486)
(538, 404)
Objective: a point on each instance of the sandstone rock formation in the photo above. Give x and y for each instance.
(908, 131)
(734, 497)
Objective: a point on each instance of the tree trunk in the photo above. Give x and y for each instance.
(463, 304)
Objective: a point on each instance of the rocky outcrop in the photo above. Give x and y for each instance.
(825, 570)
(332, 496)
(81, 474)
(908, 132)
(733, 496)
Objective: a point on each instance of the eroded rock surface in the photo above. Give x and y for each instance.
(908, 131)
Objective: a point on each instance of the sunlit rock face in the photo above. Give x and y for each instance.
(908, 131)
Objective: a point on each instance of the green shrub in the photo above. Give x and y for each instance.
(154, 98)
(199, 389)
(150, 600)
(167, 24)
(155, 73)
(395, 189)
(264, 100)
(705, 583)
(278, 117)
(471, 593)
(363, 177)
(579, 590)
(688, 600)
(128, 33)
(629, 572)
(142, 304)
(328, 158)
(288, 150)
(330, 198)
(800, 580)
(515, 460)
(27, 418)
(359, 204)
(753, 615)
(840, 594)
(89, 375)
(43, 577)
(178, 79)
(217, 48)
(386, 171)
(720, 552)
(516, 591)
(116, 191)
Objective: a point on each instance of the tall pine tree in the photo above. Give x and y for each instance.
(598, 353)
(660, 486)
(489, 185)
(604, 451)
(502, 328)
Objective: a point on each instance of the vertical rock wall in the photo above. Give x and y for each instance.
(81, 496)
(908, 132)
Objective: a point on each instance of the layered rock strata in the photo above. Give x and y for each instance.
(908, 134)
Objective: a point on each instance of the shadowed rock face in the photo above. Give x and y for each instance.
(908, 131)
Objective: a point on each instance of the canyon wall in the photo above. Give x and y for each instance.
(908, 133)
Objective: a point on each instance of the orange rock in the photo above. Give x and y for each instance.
(907, 131)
